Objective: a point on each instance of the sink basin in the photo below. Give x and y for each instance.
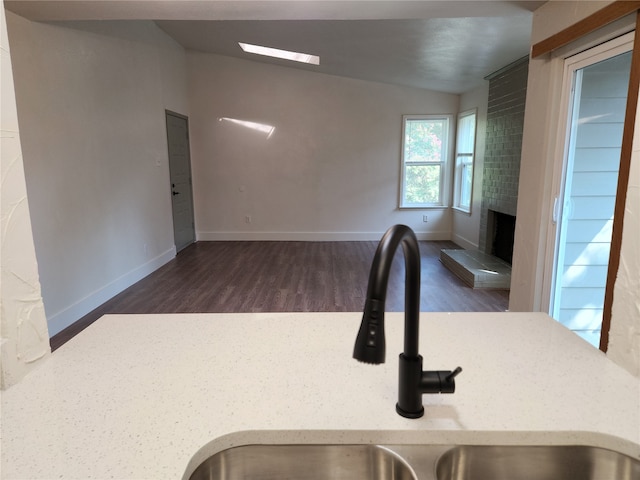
(304, 462)
(416, 462)
(535, 463)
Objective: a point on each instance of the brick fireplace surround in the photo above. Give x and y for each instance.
(505, 119)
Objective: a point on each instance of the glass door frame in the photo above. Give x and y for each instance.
(572, 64)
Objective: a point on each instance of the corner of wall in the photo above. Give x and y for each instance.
(65, 318)
(624, 334)
(534, 189)
(100, 230)
(24, 339)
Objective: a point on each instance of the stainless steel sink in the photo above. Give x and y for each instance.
(417, 462)
(535, 463)
(304, 462)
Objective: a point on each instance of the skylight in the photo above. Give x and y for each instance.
(275, 52)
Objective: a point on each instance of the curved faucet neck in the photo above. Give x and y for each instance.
(379, 277)
(413, 382)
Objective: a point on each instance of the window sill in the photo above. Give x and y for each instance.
(423, 207)
(461, 210)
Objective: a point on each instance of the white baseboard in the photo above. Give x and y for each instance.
(463, 242)
(71, 314)
(309, 236)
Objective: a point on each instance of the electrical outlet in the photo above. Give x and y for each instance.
(424, 218)
(247, 219)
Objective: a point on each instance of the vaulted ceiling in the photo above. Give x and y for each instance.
(447, 46)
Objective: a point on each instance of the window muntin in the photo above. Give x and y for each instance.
(425, 147)
(465, 155)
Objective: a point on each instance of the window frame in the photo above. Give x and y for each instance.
(444, 163)
(459, 161)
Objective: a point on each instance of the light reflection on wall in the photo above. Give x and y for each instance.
(259, 127)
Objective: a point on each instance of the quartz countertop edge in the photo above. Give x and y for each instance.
(151, 396)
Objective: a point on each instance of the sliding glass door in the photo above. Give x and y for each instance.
(596, 85)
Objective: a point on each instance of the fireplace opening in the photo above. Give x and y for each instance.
(501, 233)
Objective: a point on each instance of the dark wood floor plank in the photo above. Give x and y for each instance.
(228, 277)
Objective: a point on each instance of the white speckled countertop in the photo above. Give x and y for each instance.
(150, 396)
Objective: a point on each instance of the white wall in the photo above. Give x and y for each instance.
(535, 196)
(91, 100)
(329, 171)
(624, 335)
(24, 341)
(466, 227)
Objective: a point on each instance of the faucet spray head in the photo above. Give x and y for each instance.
(370, 342)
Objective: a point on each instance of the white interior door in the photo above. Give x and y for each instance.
(598, 82)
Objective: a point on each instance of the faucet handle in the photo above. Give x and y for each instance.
(447, 382)
(439, 381)
(453, 374)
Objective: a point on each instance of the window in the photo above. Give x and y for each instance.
(425, 150)
(465, 150)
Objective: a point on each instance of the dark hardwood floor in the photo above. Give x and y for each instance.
(223, 277)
